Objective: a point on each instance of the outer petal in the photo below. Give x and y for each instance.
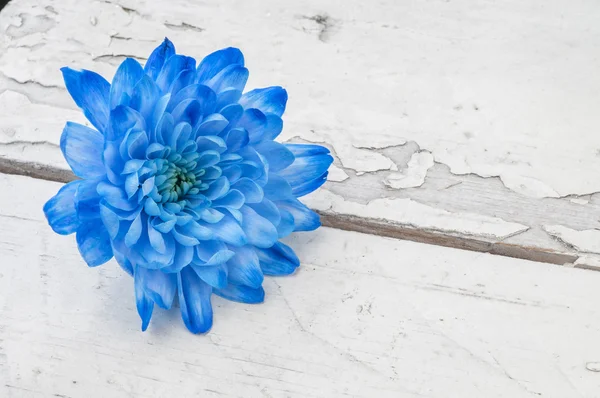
(82, 148)
(232, 76)
(242, 294)
(158, 58)
(277, 155)
(129, 73)
(304, 218)
(278, 260)
(217, 61)
(214, 275)
(90, 91)
(309, 168)
(60, 210)
(228, 230)
(143, 302)
(244, 268)
(93, 243)
(268, 100)
(194, 300)
(259, 230)
(159, 286)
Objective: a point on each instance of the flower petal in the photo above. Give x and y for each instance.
(158, 285)
(244, 268)
(128, 74)
(158, 58)
(304, 218)
(259, 230)
(242, 294)
(268, 100)
(93, 243)
(228, 230)
(277, 155)
(90, 91)
(143, 302)
(60, 210)
(277, 188)
(251, 190)
(278, 260)
(194, 300)
(214, 275)
(82, 148)
(232, 76)
(217, 61)
(171, 69)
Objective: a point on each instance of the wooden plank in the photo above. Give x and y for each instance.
(364, 316)
(479, 113)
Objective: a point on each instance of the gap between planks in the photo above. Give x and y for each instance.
(358, 224)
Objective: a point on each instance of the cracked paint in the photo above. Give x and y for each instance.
(414, 174)
(585, 241)
(409, 212)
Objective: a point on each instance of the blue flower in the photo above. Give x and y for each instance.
(182, 182)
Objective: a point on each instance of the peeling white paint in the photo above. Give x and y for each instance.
(579, 201)
(585, 241)
(414, 174)
(336, 174)
(408, 212)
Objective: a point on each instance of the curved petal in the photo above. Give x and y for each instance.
(194, 300)
(171, 69)
(158, 57)
(82, 148)
(244, 268)
(310, 186)
(145, 95)
(259, 230)
(217, 61)
(277, 188)
(128, 74)
(90, 91)
(143, 302)
(60, 210)
(241, 294)
(277, 155)
(214, 275)
(212, 252)
(278, 260)
(232, 76)
(268, 100)
(93, 243)
(158, 285)
(304, 218)
(228, 230)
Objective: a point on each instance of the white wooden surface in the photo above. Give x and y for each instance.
(364, 316)
(480, 111)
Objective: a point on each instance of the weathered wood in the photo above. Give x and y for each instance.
(480, 111)
(364, 316)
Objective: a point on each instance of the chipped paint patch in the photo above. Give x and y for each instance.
(586, 241)
(336, 174)
(409, 212)
(414, 174)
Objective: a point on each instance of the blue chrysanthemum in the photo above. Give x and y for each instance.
(182, 181)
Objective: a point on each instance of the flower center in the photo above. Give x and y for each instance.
(178, 178)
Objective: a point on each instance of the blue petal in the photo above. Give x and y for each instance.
(158, 285)
(242, 294)
(189, 110)
(93, 243)
(211, 125)
(254, 121)
(194, 300)
(135, 230)
(286, 225)
(277, 188)
(244, 268)
(122, 120)
(259, 230)
(123, 262)
(268, 210)
(251, 190)
(204, 95)
(232, 76)
(82, 148)
(158, 58)
(217, 61)
(171, 69)
(211, 252)
(237, 138)
(88, 200)
(214, 275)
(277, 155)
(60, 210)
(310, 186)
(303, 150)
(110, 219)
(232, 200)
(128, 74)
(304, 218)
(268, 100)
(217, 189)
(269, 130)
(228, 97)
(211, 143)
(90, 91)
(228, 230)
(143, 302)
(278, 260)
(144, 97)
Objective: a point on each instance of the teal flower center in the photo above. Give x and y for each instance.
(178, 178)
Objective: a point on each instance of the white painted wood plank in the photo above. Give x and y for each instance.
(364, 316)
(499, 95)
